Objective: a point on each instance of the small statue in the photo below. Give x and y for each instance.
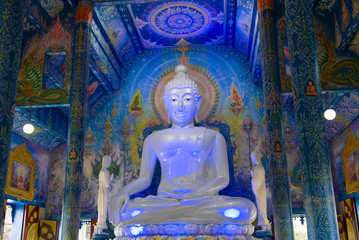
(103, 192)
(73, 154)
(194, 168)
(278, 148)
(259, 190)
(311, 89)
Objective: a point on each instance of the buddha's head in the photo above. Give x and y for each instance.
(181, 97)
(106, 161)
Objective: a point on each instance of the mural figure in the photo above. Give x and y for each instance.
(259, 190)
(20, 177)
(136, 102)
(194, 168)
(236, 106)
(135, 106)
(103, 192)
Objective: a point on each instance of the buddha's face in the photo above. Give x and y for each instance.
(181, 105)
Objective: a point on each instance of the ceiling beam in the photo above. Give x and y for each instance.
(99, 56)
(131, 30)
(51, 125)
(112, 2)
(349, 33)
(104, 82)
(102, 38)
(231, 20)
(253, 34)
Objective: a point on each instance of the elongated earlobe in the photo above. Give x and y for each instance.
(199, 101)
(196, 115)
(168, 115)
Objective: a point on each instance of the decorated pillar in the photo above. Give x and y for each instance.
(78, 110)
(283, 226)
(314, 161)
(11, 27)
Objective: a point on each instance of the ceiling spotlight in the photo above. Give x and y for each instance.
(28, 128)
(330, 114)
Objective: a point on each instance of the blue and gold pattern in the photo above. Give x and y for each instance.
(179, 20)
(313, 155)
(282, 212)
(78, 107)
(11, 18)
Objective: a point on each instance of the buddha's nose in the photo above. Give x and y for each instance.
(180, 106)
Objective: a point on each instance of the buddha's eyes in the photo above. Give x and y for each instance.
(175, 99)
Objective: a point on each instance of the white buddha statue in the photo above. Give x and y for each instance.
(259, 190)
(103, 193)
(194, 168)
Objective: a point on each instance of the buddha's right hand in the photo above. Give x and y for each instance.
(117, 205)
(123, 199)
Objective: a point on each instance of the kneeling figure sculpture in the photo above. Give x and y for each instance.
(194, 168)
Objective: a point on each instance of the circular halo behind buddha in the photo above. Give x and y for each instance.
(207, 88)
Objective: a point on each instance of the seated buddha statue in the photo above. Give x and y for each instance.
(194, 168)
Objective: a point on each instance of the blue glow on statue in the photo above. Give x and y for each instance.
(194, 168)
(136, 230)
(135, 213)
(231, 213)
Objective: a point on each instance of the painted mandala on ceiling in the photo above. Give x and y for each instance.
(179, 20)
(197, 22)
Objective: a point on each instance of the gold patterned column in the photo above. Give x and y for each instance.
(318, 193)
(11, 27)
(282, 210)
(78, 110)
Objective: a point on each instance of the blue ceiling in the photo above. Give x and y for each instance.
(122, 29)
